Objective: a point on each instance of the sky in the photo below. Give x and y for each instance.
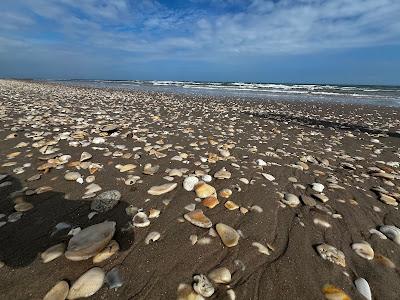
(301, 41)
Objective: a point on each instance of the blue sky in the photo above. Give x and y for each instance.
(334, 41)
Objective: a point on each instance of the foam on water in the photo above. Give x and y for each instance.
(378, 95)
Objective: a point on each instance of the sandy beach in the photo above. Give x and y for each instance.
(196, 197)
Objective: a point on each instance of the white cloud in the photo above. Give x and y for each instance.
(151, 29)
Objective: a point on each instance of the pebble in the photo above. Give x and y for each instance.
(189, 183)
(106, 201)
(229, 236)
(88, 284)
(113, 279)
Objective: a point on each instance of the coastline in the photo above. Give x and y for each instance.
(337, 145)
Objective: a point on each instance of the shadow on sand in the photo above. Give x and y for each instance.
(23, 240)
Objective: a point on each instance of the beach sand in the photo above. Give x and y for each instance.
(268, 155)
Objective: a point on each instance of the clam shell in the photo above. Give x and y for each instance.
(88, 284)
(363, 287)
(89, 241)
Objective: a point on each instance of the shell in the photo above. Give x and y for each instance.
(58, 292)
(220, 275)
(89, 241)
(332, 254)
(189, 183)
(88, 284)
(229, 236)
(203, 286)
(363, 287)
(162, 189)
(364, 250)
(392, 232)
(198, 218)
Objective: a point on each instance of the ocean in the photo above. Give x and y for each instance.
(360, 94)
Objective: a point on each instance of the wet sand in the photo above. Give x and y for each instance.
(270, 153)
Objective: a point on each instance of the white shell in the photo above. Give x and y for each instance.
(363, 287)
(88, 284)
(392, 232)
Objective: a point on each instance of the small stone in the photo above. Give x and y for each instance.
(229, 236)
(58, 292)
(332, 254)
(204, 190)
(53, 252)
(107, 252)
(220, 275)
(203, 286)
(162, 189)
(88, 284)
(318, 187)
(152, 237)
(113, 279)
(190, 182)
(364, 250)
(291, 200)
(198, 218)
(106, 201)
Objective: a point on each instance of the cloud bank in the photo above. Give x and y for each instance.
(150, 30)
